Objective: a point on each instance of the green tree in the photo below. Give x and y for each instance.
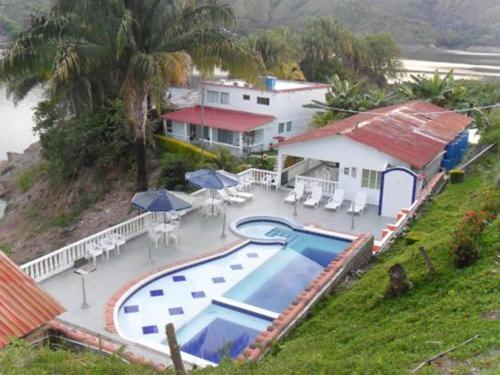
(280, 52)
(345, 97)
(383, 58)
(133, 47)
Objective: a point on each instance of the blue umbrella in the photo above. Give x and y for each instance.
(211, 179)
(159, 201)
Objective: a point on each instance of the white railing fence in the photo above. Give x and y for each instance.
(64, 258)
(300, 168)
(328, 186)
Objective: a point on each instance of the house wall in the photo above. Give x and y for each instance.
(433, 167)
(349, 154)
(285, 106)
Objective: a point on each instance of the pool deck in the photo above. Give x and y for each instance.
(198, 235)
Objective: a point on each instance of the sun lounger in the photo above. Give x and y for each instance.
(296, 194)
(336, 201)
(359, 204)
(315, 197)
(240, 194)
(231, 200)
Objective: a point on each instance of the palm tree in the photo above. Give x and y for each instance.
(345, 98)
(136, 48)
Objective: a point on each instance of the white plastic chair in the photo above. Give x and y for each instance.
(268, 181)
(118, 239)
(240, 194)
(245, 183)
(93, 250)
(174, 236)
(108, 245)
(297, 193)
(315, 197)
(336, 201)
(359, 204)
(154, 236)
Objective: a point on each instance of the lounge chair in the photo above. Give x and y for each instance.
(240, 194)
(296, 194)
(315, 197)
(359, 204)
(336, 201)
(231, 200)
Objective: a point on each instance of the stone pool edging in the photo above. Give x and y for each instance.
(354, 257)
(110, 306)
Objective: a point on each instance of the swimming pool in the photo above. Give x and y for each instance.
(220, 304)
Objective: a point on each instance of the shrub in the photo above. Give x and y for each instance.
(96, 139)
(456, 176)
(27, 179)
(465, 242)
(224, 160)
(490, 207)
(186, 149)
(173, 169)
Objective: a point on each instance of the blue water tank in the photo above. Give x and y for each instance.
(271, 82)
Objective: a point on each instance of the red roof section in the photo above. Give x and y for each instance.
(220, 118)
(414, 132)
(24, 306)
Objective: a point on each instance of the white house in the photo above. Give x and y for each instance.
(387, 153)
(243, 117)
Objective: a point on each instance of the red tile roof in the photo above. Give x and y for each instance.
(402, 131)
(24, 306)
(220, 118)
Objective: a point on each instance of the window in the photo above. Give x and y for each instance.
(288, 126)
(224, 98)
(212, 97)
(169, 126)
(281, 127)
(246, 97)
(262, 100)
(225, 136)
(370, 179)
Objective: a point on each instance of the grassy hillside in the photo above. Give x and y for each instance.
(358, 331)
(449, 22)
(14, 13)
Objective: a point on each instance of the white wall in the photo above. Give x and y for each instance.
(285, 106)
(348, 154)
(433, 167)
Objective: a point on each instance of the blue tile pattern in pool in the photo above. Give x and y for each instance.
(200, 294)
(156, 293)
(220, 305)
(176, 311)
(218, 280)
(149, 330)
(131, 309)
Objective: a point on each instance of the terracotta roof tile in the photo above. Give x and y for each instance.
(24, 306)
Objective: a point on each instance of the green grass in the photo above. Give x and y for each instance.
(29, 177)
(6, 249)
(358, 331)
(22, 359)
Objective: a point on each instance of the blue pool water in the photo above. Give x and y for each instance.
(220, 306)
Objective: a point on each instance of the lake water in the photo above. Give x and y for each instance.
(16, 123)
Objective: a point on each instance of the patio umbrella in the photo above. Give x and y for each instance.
(211, 179)
(159, 201)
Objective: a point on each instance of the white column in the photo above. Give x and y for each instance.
(241, 141)
(210, 135)
(186, 132)
(279, 170)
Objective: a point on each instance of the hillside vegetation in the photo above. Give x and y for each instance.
(14, 13)
(451, 23)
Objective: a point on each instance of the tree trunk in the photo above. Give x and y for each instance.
(136, 112)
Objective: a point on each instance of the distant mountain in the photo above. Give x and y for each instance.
(450, 23)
